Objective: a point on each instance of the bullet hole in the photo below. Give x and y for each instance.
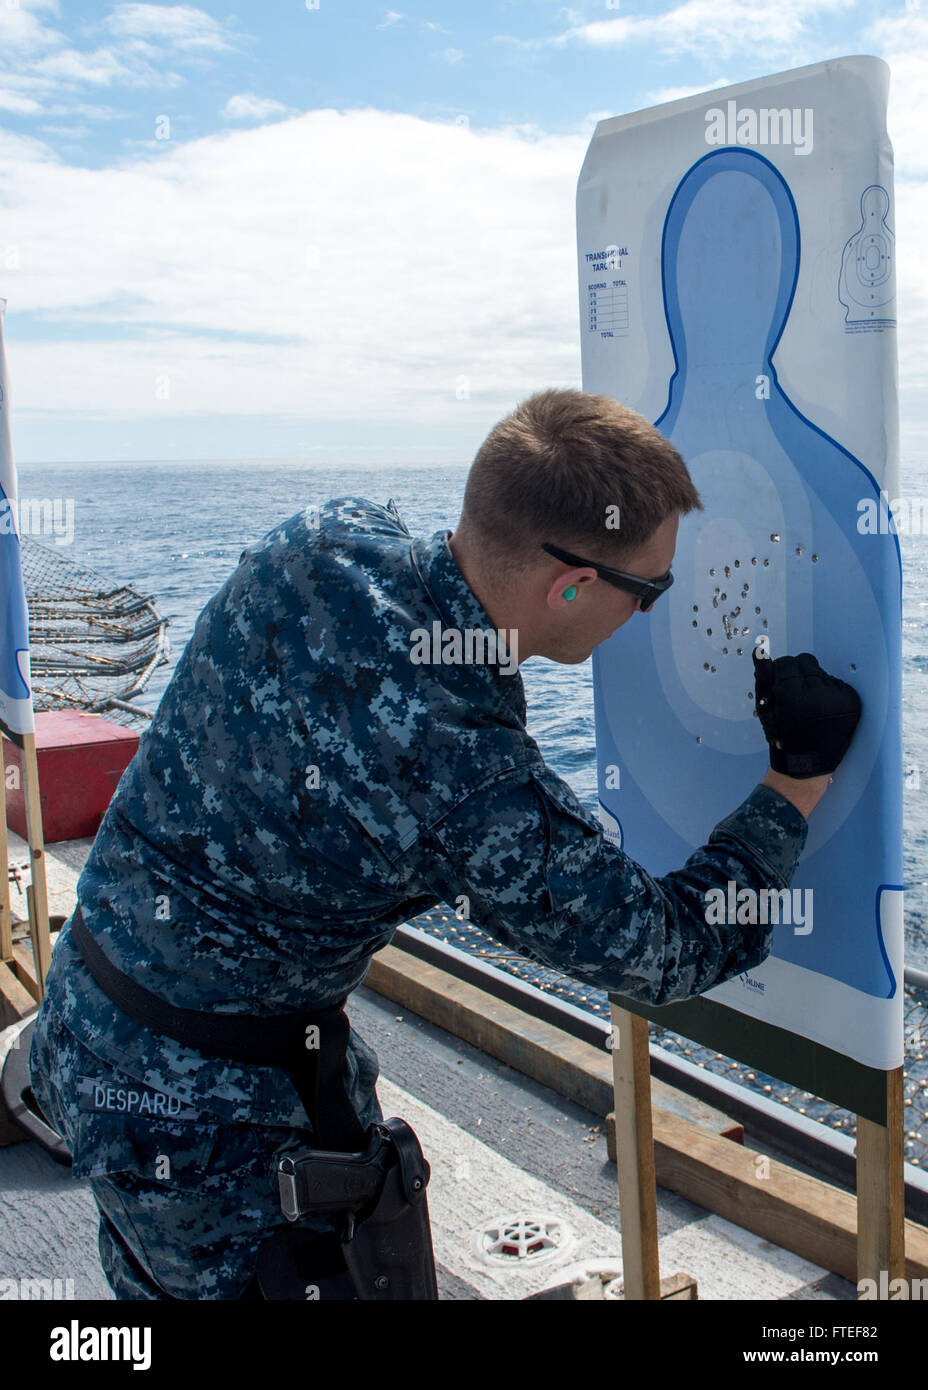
(695, 623)
(750, 694)
(724, 651)
(765, 622)
(753, 559)
(774, 535)
(705, 665)
(708, 632)
(712, 571)
(699, 738)
(756, 610)
(815, 559)
(745, 631)
(798, 549)
(853, 666)
(695, 607)
(724, 596)
(766, 562)
(737, 563)
(740, 651)
(728, 571)
(715, 603)
(711, 668)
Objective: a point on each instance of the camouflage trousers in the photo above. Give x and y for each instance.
(184, 1198)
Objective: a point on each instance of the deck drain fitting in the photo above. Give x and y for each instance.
(524, 1238)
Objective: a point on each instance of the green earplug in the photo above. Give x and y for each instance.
(570, 592)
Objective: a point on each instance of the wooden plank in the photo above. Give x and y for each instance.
(37, 893)
(675, 1286)
(573, 1068)
(497, 1028)
(728, 1129)
(881, 1190)
(21, 964)
(631, 1068)
(593, 1289)
(15, 1000)
(6, 927)
(803, 1214)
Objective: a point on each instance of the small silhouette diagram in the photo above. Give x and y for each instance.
(866, 285)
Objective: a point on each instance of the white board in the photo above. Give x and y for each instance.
(737, 287)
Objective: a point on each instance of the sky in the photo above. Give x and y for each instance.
(342, 232)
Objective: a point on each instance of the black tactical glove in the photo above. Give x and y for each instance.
(812, 715)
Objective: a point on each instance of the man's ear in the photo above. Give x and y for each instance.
(565, 582)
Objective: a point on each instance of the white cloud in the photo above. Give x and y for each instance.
(452, 55)
(67, 132)
(305, 268)
(22, 30)
(245, 106)
(301, 268)
(100, 67)
(718, 27)
(15, 101)
(665, 94)
(146, 44)
(390, 18)
(181, 26)
(903, 42)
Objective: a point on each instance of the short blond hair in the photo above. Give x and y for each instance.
(553, 469)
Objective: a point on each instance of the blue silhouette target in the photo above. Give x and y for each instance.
(16, 715)
(14, 644)
(779, 555)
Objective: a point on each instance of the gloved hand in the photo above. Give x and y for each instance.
(811, 714)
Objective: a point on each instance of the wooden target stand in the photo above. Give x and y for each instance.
(14, 959)
(876, 1097)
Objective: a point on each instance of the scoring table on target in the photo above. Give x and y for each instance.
(608, 307)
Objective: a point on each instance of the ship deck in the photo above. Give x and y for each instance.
(505, 1152)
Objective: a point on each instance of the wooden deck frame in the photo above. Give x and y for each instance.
(30, 973)
(881, 1224)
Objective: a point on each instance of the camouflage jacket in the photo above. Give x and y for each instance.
(306, 786)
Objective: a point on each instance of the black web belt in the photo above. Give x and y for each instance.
(280, 1040)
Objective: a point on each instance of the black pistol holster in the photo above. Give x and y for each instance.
(384, 1241)
(372, 1182)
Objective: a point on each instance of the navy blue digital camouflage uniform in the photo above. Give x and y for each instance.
(304, 788)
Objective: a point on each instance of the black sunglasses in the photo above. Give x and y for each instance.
(648, 590)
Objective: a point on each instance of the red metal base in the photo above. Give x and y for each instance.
(81, 758)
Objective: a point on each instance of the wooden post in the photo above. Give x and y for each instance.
(6, 913)
(881, 1192)
(37, 894)
(634, 1146)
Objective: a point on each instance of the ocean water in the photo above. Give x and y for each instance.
(176, 530)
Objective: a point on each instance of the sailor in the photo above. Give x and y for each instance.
(306, 786)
